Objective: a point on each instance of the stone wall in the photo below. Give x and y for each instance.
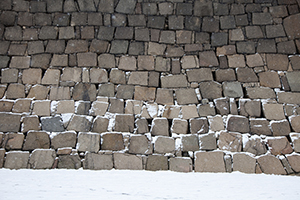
(181, 85)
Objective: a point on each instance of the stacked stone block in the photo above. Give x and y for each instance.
(155, 85)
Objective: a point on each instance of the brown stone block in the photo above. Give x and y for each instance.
(112, 141)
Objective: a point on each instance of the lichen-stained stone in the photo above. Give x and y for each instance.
(278, 62)
(80, 123)
(144, 93)
(179, 126)
(199, 75)
(30, 122)
(160, 126)
(208, 59)
(270, 165)
(279, 145)
(41, 108)
(208, 141)
(295, 123)
(210, 90)
(171, 111)
(294, 161)
(230, 141)
(180, 164)
(186, 96)
(9, 122)
(16, 160)
(189, 111)
(173, 81)
(85, 92)
(52, 124)
(269, 79)
(69, 162)
(123, 91)
(95, 161)
(260, 93)
(164, 96)
(232, 89)
(13, 141)
(124, 123)
(140, 144)
(100, 124)
(59, 93)
(249, 107)
(42, 159)
(209, 161)
(112, 141)
(190, 142)
(138, 78)
(243, 162)
(157, 162)
(292, 28)
(293, 80)
(238, 123)
(216, 123)
(63, 139)
(254, 145)
(36, 140)
(199, 125)
(15, 91)
(273, 111)
(98, 75)
(88, 141)
(280, 128)
(163, 144)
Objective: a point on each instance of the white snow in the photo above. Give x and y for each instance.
(121, 184)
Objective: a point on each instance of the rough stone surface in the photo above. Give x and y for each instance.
(209, 161)
(42, 159)
(96, 161)
(36, 140)
(270, 165)
(16, 160)
(230, 141)
(88, 142)
(244, 163)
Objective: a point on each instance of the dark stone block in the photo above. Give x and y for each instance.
(106, 33)
(210, 24)
(192, 23)
(219, 39)
(52, 124)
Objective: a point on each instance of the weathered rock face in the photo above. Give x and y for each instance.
(209, 161)
(145, 84)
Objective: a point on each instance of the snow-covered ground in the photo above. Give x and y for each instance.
(141, 185)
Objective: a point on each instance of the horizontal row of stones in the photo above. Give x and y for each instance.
(279, 119)
(147, 143)
(162, 7)
(250, 39)
(213, 161)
